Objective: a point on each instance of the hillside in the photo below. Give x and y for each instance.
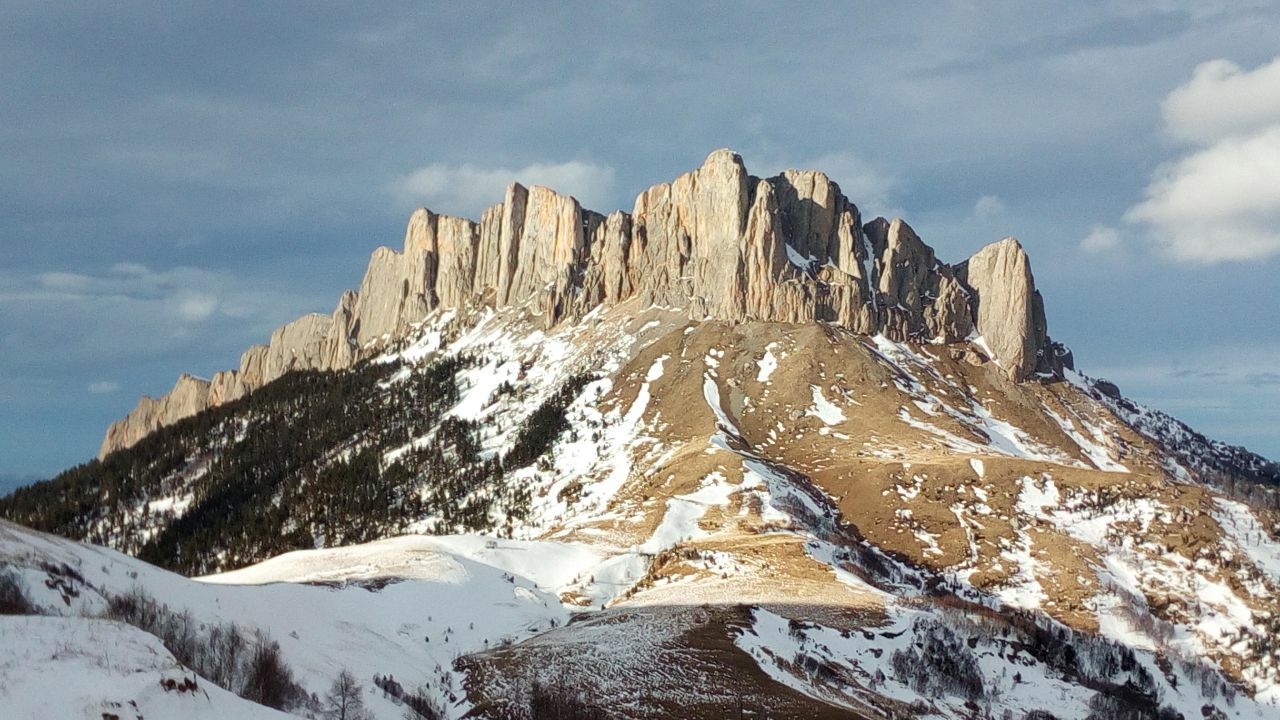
(734, 452)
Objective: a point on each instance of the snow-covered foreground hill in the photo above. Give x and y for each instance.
(454, 619)
(404, 608)
(68, 667)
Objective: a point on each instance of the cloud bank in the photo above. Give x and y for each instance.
(1220, 202)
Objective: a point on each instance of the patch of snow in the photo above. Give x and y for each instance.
(795, 258)
(982, 345)
(1242, 526)
(680, 523)
(1097, 454)
(482, 383)
(767, 364)
(824, 409)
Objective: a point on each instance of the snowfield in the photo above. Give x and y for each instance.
(404, 607)
(54, 667)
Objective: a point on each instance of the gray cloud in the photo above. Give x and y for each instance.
(177, 180)
(1198, 374)
(104, 387)
(466, 189)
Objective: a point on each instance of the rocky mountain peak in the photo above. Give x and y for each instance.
(717, 242)
(1010, 311)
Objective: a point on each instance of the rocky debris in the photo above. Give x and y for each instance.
(716, 242)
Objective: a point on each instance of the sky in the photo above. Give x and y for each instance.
(177, 179)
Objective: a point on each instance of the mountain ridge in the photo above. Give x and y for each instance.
(890, 528)
(755, 489)
(716, 242)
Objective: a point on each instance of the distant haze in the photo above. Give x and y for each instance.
(10, 482)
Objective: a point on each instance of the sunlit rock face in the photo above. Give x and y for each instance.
(716, 242)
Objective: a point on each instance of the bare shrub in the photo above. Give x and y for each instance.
(249, 667)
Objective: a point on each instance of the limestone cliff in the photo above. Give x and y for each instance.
(716, 241)
(189, 396)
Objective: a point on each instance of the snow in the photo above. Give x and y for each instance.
(1096, 453)
(768, 363)
(928, 540)
(828, 413)
(618, 441)
(798, 260)
(481, 383)
(655, 370)
(54, 667)
(724, 424)
(1023, 590)
(857, 668)
(1011, 440)
(1240, 524)
(1207, 616)
(951, 441)
(680, 523)
(1114, 622)
(779, 647)
(429, 342)
(1003, 438)
(406, 606)
(548, 564)
(982, 345)
(1033, 499)
(1185, 450)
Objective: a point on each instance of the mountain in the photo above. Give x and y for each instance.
(717, 243)
(736, 452)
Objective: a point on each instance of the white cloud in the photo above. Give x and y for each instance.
(194, 307)
(988, 207)
(467, 189)
(104, 387)
(1219, 203)
(1101, 238)
(1221, 100)
(130, 268)
(64, 281)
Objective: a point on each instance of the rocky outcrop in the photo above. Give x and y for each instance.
(189, 396)
(715, 242)
(1010, 312)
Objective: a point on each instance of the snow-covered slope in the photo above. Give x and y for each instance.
(404, 608)
(54, 667)
(810, 521)
(1187, 451)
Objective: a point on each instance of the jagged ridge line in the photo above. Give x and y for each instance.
(717, 241)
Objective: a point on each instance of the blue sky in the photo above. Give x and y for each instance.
(177, 180)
